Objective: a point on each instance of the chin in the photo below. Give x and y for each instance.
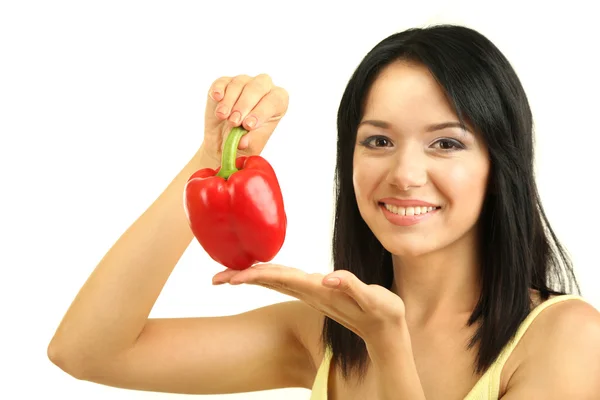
(404, 246)
(416, 244)
(409, 242)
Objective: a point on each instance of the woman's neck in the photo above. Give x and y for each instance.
(441, 284)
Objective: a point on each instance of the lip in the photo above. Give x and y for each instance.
(407, 202)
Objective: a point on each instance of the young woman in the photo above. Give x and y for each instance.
(443, 257)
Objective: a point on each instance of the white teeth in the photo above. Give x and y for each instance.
(409, 210)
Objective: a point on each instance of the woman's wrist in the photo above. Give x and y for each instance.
(204, 158)
(390, 343)
(393, 365)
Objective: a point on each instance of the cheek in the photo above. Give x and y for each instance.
(463, 183)
(365, 177)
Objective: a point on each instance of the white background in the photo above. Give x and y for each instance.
(101, 104)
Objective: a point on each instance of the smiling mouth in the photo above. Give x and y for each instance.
(408, 211)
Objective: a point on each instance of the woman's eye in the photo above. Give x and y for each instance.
(449, 144)
(376, 141)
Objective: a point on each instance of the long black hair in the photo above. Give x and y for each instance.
(519, 250)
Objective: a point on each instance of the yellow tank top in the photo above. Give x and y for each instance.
(486, 388)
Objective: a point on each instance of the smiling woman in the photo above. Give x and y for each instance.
(448, 280)
(405, 162)
(438, 118)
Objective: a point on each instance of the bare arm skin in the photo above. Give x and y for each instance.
(106, 335)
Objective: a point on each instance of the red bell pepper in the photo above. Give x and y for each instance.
(236, 212)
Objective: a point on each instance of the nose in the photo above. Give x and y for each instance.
(408, 170)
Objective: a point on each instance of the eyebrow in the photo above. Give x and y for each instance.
(430, 128)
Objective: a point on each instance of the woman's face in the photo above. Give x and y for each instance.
(419, 178)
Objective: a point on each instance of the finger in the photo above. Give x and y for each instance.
(217, 89)
(287, 292)
(232, 92)
(252, 93)
(292, 281)
(224, 276)
(251, 276)
(346, 282)
(272, 107)
(308, 298)
(279, 276)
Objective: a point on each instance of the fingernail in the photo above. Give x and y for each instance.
(223, 110)
(216, 95)
(250, 122)
(332, 281)
(235, 117)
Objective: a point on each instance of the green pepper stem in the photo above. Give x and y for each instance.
(230, 152)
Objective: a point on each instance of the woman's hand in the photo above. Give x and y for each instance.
(371, 311)
(252, 102)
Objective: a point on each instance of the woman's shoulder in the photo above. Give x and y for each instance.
(562, 312)
(562, 318)
(560, 345)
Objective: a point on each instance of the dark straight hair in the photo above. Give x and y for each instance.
(519, 250)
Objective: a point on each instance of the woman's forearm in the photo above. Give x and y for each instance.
(394, 367)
